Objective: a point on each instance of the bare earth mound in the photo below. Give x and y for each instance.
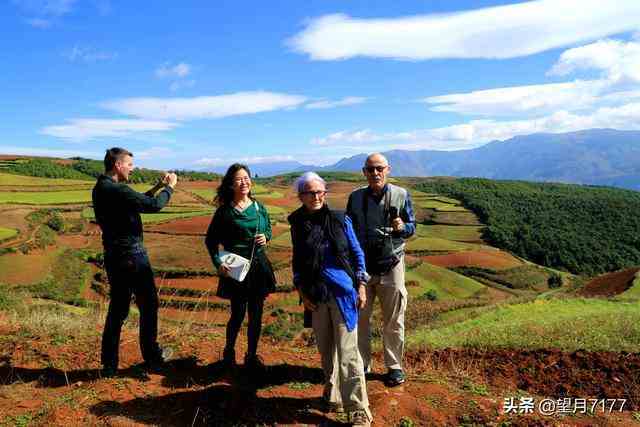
(609, 284)
(494, 259)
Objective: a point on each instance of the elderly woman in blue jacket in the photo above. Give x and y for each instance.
(330, 276)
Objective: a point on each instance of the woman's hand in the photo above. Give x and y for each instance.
(308, 304)
(362, 296)
(223, 270)
(261, 239)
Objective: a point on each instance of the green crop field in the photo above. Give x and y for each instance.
(567, 324)
(8, 179)
(434, 244)
(7, 233)
(208, 194)
(446, 283)
(275, 210)
(151, 218)
(45, 197)
(282, 241)
(460, 233)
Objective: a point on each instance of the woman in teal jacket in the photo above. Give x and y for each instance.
(241, 225)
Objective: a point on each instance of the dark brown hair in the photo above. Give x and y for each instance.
(225, 189)
(113, 155)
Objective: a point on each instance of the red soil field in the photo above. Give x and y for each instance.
(194, 226)
(493, 259)
(177, 251)
(20, 269)
(609, 284)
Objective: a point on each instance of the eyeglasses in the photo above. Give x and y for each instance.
(241, 180)
(372, 169)
(314, 193)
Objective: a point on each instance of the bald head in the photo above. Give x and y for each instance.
(376, 168)
(376, 158)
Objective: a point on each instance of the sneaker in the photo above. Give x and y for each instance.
(254, 364)
(359, 419)
(395, 377)
(108, 371)
(166, 353)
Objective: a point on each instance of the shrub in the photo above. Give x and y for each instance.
(554, 281)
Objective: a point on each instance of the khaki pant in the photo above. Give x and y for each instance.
(341, 361)
(391, 291)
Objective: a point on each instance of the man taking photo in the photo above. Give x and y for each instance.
(383, 219)
(117, 209)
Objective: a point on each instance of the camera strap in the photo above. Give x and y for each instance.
(385, 221)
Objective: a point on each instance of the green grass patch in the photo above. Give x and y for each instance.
(634, 291)
(276, 210)
(285, 326)
(446, 283)
(282, 241)
(434, 244)
(45, 197)
(567, 324)
(22, 180)
(208, 194)
(7, 233)
(460, 233)
(151, 218)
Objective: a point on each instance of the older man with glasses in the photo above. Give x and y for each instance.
(383, 219)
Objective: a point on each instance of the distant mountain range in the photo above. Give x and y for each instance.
(595, 156)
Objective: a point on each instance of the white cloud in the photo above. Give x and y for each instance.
(357, 136)
(323, 104)
(217, 161)
(205, 107)
(618, 60)
(77, 130)
(516, 100)
(167, 70)
(496, 32)
(478, 132)
(89, 54)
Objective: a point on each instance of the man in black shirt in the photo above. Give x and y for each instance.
(117, 209)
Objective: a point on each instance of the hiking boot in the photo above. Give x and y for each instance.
(359, 418)
(254, 364)
(394, 378)
(157, 364)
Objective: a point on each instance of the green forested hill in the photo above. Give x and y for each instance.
(581, 229)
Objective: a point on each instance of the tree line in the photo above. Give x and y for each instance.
(580, 229)
(87, 169)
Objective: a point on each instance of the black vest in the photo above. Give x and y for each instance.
(307, 260)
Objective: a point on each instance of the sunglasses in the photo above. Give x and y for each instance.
(372, 169)
(314, 193)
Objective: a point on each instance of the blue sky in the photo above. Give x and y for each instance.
(200, 84)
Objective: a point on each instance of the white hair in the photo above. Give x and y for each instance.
(306, 178)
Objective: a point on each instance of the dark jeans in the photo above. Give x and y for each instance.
(239, 305)
(130, 274)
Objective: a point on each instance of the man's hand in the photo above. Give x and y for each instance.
(307, 302)
(362, 296)
(170, 179)
(397, 224)
(261, 239)
(224, 270)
